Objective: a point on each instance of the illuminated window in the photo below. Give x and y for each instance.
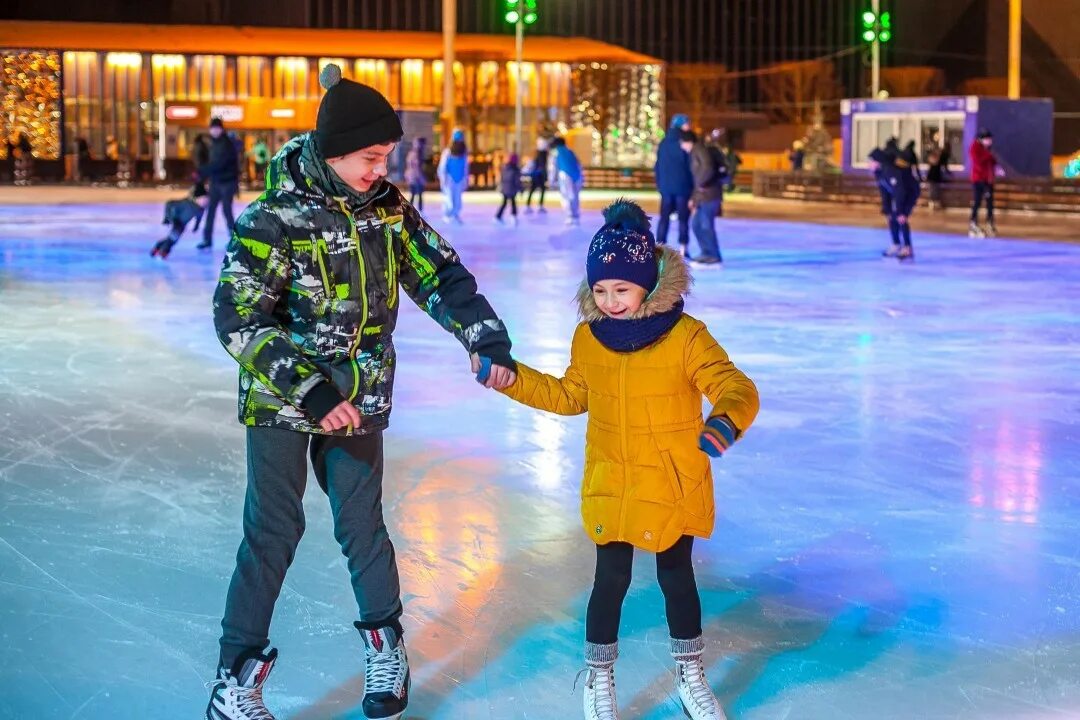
(292, 79)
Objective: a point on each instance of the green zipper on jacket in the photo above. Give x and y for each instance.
(363, 296)
(320, 246)
(391, 268)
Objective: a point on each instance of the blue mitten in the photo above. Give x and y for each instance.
(484, 372)
(717, 437)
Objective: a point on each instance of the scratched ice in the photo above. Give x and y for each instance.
(896, 538)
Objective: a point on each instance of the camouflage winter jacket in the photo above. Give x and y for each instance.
(309, 294)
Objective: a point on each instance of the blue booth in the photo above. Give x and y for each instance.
(1023, 129)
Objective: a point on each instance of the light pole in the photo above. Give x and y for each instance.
(875, 56)
(1016, 15)
(520, 13)
(449, 32)
(876, 31)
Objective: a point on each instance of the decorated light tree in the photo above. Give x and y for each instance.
(31, 100)
(819, 144)
(621, 104)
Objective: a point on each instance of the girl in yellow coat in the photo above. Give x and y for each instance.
(639, 367)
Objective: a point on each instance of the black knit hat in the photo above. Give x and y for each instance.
(353, 116)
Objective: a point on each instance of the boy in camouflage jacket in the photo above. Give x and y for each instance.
(307, 304)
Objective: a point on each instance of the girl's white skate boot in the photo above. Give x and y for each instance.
(698, 700)
(599, 695)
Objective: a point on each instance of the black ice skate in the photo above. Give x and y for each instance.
(236, 694)
(386, 675)
(204, 245)
(162, 248)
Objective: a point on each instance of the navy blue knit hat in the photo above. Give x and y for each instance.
(624, 249)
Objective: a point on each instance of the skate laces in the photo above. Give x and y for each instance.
(693, 675)
(601, 680)
(382, 672)
(249, 701)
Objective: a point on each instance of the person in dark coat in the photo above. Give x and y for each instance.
(896, 176)
(709, 174)
(178, 213)
(797, 155)
(674, 182)
(222, 171)
(538, 176)
(509, 186)
(937, 173)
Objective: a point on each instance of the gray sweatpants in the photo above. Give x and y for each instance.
(349, 470)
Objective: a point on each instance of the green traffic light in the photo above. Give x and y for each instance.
(512, 17)
(886, 20)
(530, 18)
(885, 36)
(531, 4)
(868, 35)
(869, 18)
(511, 4)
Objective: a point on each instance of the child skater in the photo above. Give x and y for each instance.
(509, 186)
(571, 179)
(639, 366)
(414, 173)
(178, 213)
(453, 172)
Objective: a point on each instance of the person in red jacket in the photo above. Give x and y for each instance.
(983, 169)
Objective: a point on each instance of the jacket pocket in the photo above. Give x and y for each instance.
(672, 475)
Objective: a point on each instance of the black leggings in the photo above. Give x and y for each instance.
(900, 231)
(538, 183)
(416, 197)
(674, 571)
(983, 191)
(513, 206)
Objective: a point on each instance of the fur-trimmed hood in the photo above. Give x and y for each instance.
(672, 285)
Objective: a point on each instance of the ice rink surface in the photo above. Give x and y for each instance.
(897, 536)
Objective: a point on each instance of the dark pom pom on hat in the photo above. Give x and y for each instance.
(627, 214)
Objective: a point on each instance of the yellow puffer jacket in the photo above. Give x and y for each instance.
(646, 481)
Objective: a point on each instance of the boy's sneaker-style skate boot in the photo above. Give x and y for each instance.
(891, 251)
(974, 231)
(386, 674)
(599, 695)
(698, 700)
(236, 694)
(906, 253)
(990, 230)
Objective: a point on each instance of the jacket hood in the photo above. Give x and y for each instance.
(672, 285)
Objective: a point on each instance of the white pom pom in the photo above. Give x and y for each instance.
(330, 76)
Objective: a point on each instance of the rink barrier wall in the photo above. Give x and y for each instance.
(1056, 195)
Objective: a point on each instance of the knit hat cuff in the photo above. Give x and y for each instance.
(386, 129)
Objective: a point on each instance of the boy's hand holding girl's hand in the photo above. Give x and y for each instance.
(490, 375)
(717, 437)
